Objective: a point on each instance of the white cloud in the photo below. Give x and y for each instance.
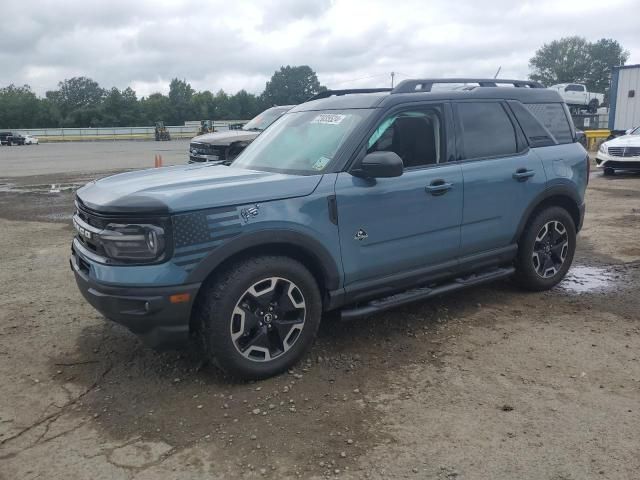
(233, 45)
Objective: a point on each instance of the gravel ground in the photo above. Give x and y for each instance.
(489, 383)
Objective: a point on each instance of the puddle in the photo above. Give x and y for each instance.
(58, 217)
(583, 279)
(41, 188)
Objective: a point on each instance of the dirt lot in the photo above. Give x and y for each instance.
(491, 383)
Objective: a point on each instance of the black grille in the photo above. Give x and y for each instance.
(93, 220)
(624, 151)
(207, 149)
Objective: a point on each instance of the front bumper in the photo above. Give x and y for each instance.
(146, 311)
(201, 158)
(604, 160)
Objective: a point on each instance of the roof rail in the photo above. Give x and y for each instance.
(426, 84)
(330, 93)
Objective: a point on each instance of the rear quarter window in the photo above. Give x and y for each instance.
(553, 117)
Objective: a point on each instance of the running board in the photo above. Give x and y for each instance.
(422, 293)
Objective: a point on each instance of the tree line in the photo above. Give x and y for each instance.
(82, 102)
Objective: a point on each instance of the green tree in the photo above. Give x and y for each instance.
(247, 105)
(561, 61)
(604, 54)
(290, 86)
(180, 94)
(74, 94)
(574, 59)
(18, 107)
(120, 108)
(156, 107)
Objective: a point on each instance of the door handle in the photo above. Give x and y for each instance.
(522, 174)
(439, 187)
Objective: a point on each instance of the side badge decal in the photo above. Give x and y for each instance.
(360, 235)
(249, 212)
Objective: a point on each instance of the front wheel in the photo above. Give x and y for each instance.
(258, 317)
(608, 171)
(546, 249)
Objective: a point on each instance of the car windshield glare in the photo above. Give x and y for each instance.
(302, 143)
(265, 119)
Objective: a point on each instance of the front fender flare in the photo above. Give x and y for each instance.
(249, 240)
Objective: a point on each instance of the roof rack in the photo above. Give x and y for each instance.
(426, 84)
(331, 93)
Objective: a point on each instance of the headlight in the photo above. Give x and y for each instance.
(603, 148)
(137, 242)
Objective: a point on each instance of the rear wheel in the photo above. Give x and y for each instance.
(546, 249)
(260, 316)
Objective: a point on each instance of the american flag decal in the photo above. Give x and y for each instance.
(197, 233)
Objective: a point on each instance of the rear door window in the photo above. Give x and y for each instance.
(487, 130)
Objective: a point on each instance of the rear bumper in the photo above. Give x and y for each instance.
(147, 312)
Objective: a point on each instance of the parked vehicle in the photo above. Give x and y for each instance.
(576, 95)
(224, 146)
(18, 139)
(6, 138)
(620, 153)
(30, 140)
(356, 201)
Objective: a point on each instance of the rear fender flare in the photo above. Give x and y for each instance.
(555, 191)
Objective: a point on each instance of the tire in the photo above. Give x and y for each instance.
(593, 105)
(608, 172)
(542, 259)
(239, 331)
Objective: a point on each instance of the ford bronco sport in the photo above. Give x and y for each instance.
(356, 201)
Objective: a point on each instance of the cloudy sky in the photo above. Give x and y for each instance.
(238, 44)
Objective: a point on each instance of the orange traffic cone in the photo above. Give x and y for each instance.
(155, 161)
(159, 160)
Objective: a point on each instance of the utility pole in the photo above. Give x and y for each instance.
(393, 74)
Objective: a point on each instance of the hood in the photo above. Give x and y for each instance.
(226, 138)
(190, 187)
(625, 141)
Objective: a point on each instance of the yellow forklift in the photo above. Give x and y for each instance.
(206, 126)
(161, 132)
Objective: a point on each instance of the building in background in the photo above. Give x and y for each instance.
(624, 111)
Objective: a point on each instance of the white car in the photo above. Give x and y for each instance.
(29, 140)
(576, 95)
(621, 153)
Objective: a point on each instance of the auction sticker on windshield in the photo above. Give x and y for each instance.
(329, 118)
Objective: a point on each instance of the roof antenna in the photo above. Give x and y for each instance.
(496, 75)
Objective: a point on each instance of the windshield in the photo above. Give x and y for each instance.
(302, 142)
(265, 119)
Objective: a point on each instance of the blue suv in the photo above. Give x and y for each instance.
(356, 201)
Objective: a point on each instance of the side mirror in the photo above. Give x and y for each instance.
(628, 132)
(380, 165)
